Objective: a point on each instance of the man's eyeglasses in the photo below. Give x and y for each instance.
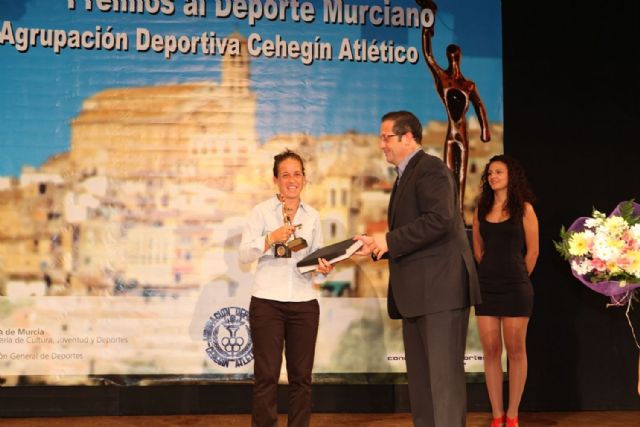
(385, 137)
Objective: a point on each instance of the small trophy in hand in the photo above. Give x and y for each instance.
(297, 243)
(283, 250)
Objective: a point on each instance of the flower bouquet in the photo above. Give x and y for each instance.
(604, 251)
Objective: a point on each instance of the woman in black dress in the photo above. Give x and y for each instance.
(505, 244)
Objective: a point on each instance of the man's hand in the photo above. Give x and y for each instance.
(367, 246)
(374, 246)
(381, 247)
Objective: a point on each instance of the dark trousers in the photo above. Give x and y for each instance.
(293, 325)
(434, 351)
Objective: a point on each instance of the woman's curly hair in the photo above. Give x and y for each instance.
(518, 190)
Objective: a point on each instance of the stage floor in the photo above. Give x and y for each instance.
(476, 419)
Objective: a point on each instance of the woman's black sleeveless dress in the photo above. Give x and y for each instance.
(504, 283)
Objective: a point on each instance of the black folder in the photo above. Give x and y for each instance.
(332, 253)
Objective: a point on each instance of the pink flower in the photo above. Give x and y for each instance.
(598, 265)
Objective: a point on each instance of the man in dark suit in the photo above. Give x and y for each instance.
(432, 280)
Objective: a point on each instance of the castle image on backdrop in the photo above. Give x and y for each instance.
(151, 195)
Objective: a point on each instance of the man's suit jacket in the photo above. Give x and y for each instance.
(431, 267)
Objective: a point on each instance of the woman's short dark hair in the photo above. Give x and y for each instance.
(286, 154)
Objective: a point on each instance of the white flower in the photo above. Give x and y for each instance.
(593, 222)
(606, 248)
(596, 220)
(581, 268)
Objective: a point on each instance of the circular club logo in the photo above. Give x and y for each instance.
(228, 337)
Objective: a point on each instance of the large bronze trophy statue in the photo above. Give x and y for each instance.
(456, 92)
